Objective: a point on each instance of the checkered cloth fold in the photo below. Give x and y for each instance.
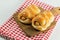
(11, 29)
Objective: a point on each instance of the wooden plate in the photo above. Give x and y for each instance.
(28, 29)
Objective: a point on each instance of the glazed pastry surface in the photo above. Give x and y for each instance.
(28, 14)
(43, 20)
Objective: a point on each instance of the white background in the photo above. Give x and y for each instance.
(8, 7)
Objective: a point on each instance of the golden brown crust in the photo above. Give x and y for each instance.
(28, 13)
(44, 19)
(38, 21)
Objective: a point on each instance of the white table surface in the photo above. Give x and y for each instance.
(8, 7)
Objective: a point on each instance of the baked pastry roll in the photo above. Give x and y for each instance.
(43, 20)
(28, 13)
(49, 15)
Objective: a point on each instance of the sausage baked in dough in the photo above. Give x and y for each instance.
(43, 20)
(28, 14)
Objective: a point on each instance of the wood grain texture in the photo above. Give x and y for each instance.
(56, 11)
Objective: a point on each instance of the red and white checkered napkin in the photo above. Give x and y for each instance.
(11, 29)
